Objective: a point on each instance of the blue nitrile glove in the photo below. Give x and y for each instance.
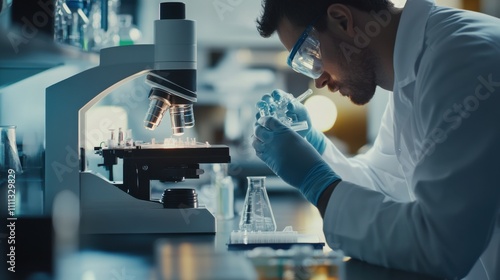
(292, 158)
(266, 98)
(298, 112)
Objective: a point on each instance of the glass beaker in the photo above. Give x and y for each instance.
(9, 156)
(257, 214)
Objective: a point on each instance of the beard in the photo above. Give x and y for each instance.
(360, 83)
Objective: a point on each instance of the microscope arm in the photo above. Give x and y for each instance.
(66, 105)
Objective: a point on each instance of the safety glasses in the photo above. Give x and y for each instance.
(305, 57)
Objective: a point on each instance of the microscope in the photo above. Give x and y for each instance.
(107, 206)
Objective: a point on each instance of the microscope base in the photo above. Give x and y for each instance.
(106, 209)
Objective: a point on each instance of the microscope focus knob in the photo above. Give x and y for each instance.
(179, 198)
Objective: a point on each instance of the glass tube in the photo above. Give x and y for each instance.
(9, 156)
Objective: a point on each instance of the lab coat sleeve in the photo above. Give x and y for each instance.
(378, 168)
(456, 182)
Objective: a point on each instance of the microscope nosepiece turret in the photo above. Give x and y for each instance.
(173, 79)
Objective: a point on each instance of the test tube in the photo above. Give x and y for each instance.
(129, 141)
(111, 140)
(120, 137)
(298, 126)
(304, 95)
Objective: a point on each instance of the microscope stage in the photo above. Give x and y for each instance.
(184, 155)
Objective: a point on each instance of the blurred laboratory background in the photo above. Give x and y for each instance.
(45, 41)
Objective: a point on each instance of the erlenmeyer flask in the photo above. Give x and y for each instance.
(9, 157)
(257, 214)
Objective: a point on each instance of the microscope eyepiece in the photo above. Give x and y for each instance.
(172, 10)
(173, 79)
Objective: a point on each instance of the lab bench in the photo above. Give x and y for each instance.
(160, 256)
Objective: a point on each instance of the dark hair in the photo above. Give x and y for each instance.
(303, 12)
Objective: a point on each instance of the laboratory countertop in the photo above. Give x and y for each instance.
(159, 256)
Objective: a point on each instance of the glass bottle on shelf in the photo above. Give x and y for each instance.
(76, 28)
(127, 33)
(9, 156)
(62, 18)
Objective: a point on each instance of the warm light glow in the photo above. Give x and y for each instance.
(187, 261)
(322, 111)
(166, 261)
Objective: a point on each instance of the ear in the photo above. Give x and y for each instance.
(340, 19)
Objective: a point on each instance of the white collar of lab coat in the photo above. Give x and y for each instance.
(410, 40)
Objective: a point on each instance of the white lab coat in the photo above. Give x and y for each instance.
(426, 196)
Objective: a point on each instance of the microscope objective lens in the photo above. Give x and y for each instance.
(157, 108)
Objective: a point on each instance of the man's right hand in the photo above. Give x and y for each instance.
(294, 160)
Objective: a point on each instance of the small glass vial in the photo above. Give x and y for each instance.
(77, 25)
(62, 18)
(9, 155)
(112, 140)
(225, 198)
(124, 28)
(224, 192)
(257, 214)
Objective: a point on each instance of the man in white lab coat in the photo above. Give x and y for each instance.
(426, 196)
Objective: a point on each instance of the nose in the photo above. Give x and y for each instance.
(322, 81)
